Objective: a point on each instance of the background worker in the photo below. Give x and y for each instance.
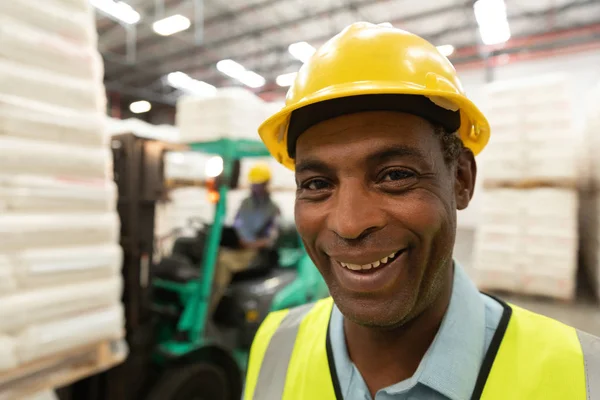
(257, 227)
(382, 139)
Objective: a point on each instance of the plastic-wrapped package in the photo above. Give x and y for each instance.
(166, 133)
(23, 231)
(41, 340)
(34, 120)
(8, 353)
(231, 113)
(25, 308)
(80, 5)
(25, 156)
(8, 283)
(61, 266)
(28, 194)
(530, 131)
(37, 48)
(527, 241)
(40, 85)
(53, 17)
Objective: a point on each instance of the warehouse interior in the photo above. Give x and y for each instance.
(129, 143)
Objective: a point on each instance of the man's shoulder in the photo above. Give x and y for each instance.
(296, 314)
(246, 201)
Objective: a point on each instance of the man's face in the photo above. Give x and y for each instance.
(259, 189)
(376, 209)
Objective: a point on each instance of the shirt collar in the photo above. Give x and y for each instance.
(451, 364)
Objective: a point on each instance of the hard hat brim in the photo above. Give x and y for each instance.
(474, 130)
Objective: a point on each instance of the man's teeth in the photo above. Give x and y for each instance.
(378, 263)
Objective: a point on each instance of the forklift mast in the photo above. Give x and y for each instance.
(139, 175)
(138, 169)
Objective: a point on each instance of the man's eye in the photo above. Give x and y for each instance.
(316, 184)
(397, 175)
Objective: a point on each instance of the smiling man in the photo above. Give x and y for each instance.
(382, 139)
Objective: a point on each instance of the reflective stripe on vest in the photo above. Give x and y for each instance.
(591, 355)
(536, 358)
(278, 354)
(308, 356)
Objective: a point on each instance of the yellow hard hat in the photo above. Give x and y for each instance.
(259, 173)
(367, 59)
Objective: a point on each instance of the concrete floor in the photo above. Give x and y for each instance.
(583, 313)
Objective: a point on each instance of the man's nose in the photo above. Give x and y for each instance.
(355, 212)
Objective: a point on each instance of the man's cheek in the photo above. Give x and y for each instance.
(305, 223)
(423, 213)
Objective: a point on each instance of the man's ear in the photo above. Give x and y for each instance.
(464, 182)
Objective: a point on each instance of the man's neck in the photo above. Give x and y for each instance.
(260, 198)
(385, 357)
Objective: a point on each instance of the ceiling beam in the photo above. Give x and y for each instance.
(583, 35)
(141, 93)
(176, 58)
(275, 69)
(144, 12)
(278, 67)
(199, 52)
(224, 17)
(526, 49)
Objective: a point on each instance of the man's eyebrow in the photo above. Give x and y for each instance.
(395, 152)
(313, 165)
(387, 154)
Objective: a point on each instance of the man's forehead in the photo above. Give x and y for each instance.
(368, 130)
(369, 119)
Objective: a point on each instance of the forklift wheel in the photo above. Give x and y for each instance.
(198, 381)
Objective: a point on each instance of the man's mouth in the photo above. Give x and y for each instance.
(372, 265)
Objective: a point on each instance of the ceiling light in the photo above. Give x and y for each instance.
(231, 68)
(139, 107)
(213, 167)
(171, 25)
(186, 83)
(285, 80)
(446, 49)
(237, 71)
(492, 20)
(119, 10)
(252, 79)
(301, 51)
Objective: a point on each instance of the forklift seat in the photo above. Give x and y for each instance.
(264, 262)
(176, 268)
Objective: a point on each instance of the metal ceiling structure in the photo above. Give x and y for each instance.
(257, 33)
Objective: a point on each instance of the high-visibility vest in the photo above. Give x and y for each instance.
(530, 357)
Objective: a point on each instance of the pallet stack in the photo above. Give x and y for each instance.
(60, 284)
(527, 238)
(589, 217)
(233, 113)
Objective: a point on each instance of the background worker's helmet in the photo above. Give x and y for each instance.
(259, 174)
(368, 59)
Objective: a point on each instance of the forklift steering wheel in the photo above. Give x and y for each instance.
(196, 223)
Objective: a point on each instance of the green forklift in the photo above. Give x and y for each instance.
(204, 356)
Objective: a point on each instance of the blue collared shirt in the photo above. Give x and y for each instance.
(451, 365)
(257, 220)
